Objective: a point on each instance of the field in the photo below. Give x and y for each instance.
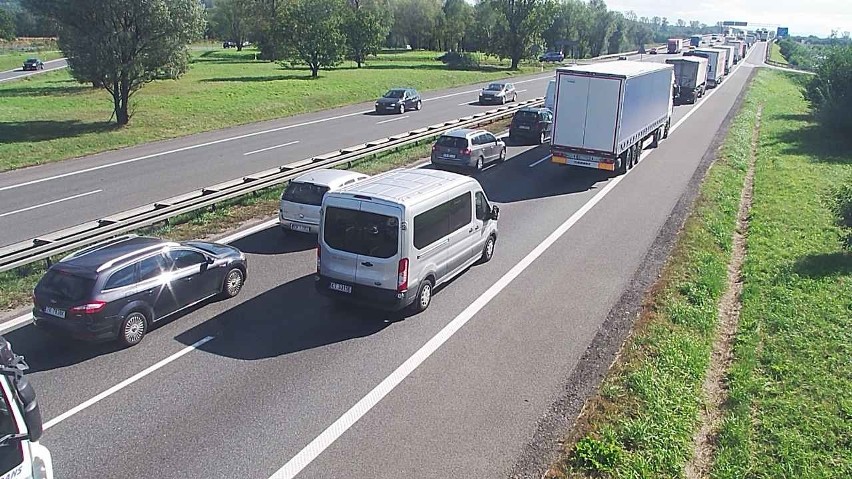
(51, 117)
(776, 56)
(788, 411)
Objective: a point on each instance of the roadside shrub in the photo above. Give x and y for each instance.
(596, 456)
(843, 211)
(459, 61)
(830, 92)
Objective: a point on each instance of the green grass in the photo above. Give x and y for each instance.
(17, 285)
(776, 56)
(643, 421)
(14, 60)
(791, 383)
(222, 88)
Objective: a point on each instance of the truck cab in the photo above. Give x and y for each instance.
(21, 456)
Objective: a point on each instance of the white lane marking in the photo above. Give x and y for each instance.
(393, 119)
(519, 91)
(13, 324)
(126, 382)
(350, 417)
(271, 148)
(248, 232)
(472, 102)
(29, 74)
(178, 150)
(537, 162)
(28, 208)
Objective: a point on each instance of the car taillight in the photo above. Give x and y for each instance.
(318, 259)
(466, 151)
(402, 277)
(89, 308)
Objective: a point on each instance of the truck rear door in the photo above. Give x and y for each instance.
(602, 114)
(572, 99)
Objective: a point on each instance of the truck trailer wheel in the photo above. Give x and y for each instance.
(666, 130)
(624, 159)
(656, 141)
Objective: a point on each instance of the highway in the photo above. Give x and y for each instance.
(17, 73)
(281, 383)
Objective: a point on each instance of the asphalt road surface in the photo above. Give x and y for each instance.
(47, 198)
(240, 388)
(17, 73)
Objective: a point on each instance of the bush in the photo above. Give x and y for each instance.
(595, 456)
(459, 61)
(843, 211)
(830, 92)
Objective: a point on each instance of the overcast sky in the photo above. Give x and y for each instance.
(803, 17)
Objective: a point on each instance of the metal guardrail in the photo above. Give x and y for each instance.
(49, 245)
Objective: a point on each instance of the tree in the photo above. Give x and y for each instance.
(365, 30)
(830, 92)
(7, 25)
(232, 20)
(520, 27)
(483, 32)
(311, 33)
(416, 22)
(457, 17)
(120, 45)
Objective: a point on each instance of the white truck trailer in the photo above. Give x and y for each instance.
(21, 456)
(739, 49)
(715, 64)
(690, 78)
(605, 112)
(674, 45)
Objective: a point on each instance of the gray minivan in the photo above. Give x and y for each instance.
(469, 149)
(388, 241)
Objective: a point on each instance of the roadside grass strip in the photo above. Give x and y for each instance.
(643, 421)
(775, 55)
(790, 407)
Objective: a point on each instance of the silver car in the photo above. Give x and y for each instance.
(498, 93)
(301, 201)
(469, 149)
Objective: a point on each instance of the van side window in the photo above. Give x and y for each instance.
(482, 208)
(440, 221)
(460, 212)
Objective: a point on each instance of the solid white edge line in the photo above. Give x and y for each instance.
(247, 232)
(28, 208)
(271, 148)
(393, 119)
(325, 439)
(126, 382)
(350, 417)
(13, 324)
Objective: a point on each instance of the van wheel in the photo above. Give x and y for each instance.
(424, 297)
(133, 328)
(487, 250)
(233, 283)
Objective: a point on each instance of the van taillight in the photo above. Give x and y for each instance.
(402, 277)
(89, 308)
(318, 259)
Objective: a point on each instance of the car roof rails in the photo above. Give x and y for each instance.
(99, 246)
(134, 254)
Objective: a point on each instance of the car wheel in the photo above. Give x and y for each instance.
(502, 155)
(401, 109)
(502, 100)
(133, 328)
(487, 250)
(419, 105)
(233, 283)
(424, 297)
(479, 164)
(542, 138)
(515, 97)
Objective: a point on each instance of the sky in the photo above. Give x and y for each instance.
(803, 17)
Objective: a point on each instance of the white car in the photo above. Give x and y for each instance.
(301, 201)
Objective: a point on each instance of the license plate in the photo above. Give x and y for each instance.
(343, 288)
(448, 155)
(578, 157)
(59, 313)
(524, 127)
(300, 228)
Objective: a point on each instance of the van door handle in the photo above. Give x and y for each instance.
(367, 263)
(471, 230)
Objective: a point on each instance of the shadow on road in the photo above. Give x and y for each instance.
(286, 319)
(44, 351)
(274, 241)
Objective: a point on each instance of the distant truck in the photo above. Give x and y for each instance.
(751, 39)
(21, 456)
(605, 112)
(695, 40)
(739, 49)
(729, 56)
(690, 75)
(675, 45)
(715, 65)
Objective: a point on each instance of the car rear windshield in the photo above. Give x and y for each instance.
(527, 115)
(452, 142)
(304, 193)
(65, 286)
(360, 232)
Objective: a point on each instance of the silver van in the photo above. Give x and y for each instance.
(388, 241)
(299, 209)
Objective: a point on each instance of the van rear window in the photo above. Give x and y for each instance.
(360, 232)
(304, 193)
(65, 286)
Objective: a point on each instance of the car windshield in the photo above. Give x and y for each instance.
(212, 248)
(32, 60)
(395, 94)
(65, 286)
(360, 232)
(452, 142)
(495, 86)
(304, 193)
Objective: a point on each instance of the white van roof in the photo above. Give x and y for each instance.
(406, 187)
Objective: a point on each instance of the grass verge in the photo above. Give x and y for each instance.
(775, 55)
(643, 420)
(222, 88)
(790, 409)
(16, 285)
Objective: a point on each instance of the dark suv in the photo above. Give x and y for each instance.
(118, 288)
(531, 123)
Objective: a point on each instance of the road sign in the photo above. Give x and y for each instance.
(783, 32)
(729, 23)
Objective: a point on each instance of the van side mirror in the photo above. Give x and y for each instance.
(495, 212)
(32, 413)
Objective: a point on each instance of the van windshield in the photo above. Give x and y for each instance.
(304, 193)
(360, 232)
